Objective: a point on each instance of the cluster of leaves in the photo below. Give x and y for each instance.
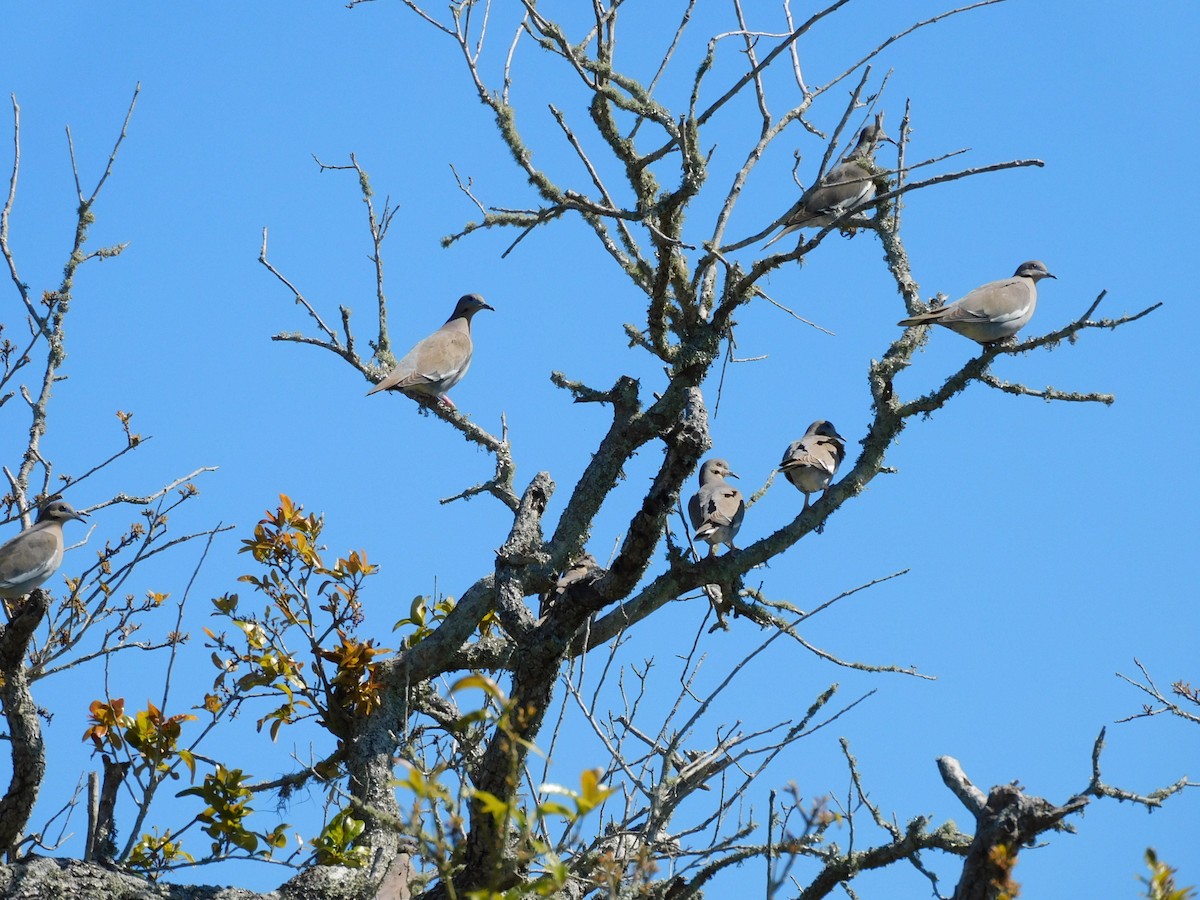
(436, 817)
(297, 584)
(288, 542)
(1161, 883)
(332, 677)
(228, 804)
(337, 844)
(425, 614)
(356, 686)
(152, 736)
(150, 740)
(155, 853)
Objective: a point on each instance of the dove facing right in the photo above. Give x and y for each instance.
(35, 554)
(997, 310)
(848, 184)
(438, 362)
(811, 462)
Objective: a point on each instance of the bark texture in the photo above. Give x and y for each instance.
(40, 877)
(25, 732)
(1006, 820)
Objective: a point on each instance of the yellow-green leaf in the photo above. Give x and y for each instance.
(481, 681)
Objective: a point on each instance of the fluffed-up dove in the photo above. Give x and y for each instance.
(35, 554)
(845, 186)
(990, 313)
(811, 462)
(438, 362)
(717, 508)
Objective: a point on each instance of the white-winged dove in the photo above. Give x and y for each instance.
(845, 186)
(35, 554)
(717, 508)
(580, 568)
(438, 362)
(997, 310)
(811, 462)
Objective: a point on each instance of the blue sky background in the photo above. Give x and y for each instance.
(1049, 544)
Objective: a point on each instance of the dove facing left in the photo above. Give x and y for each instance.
(438, 362)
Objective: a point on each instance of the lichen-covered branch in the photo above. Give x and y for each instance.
(27, 749)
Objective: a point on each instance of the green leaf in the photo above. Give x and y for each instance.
(492, 805)
(481, 681)
(554, 808)
(189, 760)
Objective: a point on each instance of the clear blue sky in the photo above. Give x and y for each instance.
(1049, 545)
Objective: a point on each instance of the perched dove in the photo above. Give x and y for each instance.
(35, 554)
(717, 508)
(845, 186)
(997, 310)
(438, 362)
(811, 462)
(580, 568)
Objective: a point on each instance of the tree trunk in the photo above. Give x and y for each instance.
(25, 732)
(370, 749)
